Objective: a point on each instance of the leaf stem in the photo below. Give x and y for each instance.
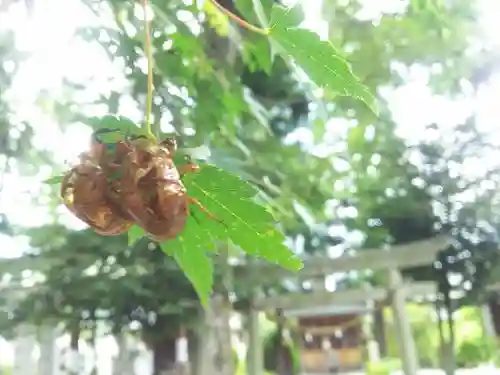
(240, 21)
(147, 48)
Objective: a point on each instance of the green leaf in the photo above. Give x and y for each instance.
(216, 19)
(246, 223)
(356, 140)
(189, 250)
(135, 234)
(323, 63)
(286, 17)
(53, 180)
(260, 8)
(318, 130)
(113, 127)
(256, 12)
(109, 136)
(257, 50)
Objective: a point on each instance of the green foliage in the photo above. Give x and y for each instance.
(425, 333)
(323, 63)
(236, 358)
(473, 347)
(274, 345)
(258, 52)
(189, 250)
(244, 222)
(405, 211)
(385, 366)
(475, 351)
(134, 234)
(55, 180)
(247, 224)
(241, 369)
(113, 125)
(126, 284)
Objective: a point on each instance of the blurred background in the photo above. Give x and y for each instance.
(338, 180)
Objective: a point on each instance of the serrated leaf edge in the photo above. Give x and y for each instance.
(260, 235)
(287, 11)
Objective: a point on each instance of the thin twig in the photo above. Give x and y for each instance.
(149, 56)
(241, 22)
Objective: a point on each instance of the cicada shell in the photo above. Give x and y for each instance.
(84, 190)
(125, 182)
(152, 192)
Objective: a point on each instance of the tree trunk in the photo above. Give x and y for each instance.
(379, 333)
(93, 344)
(216, 351)
(127, 354)
(452, 365)
(73, 362)
(444, 352)
(494, 307)
(164, 355)
(284, 363)
(442, 339)
(447, 355)
(194, 352)
(487, 321)
(74, 336)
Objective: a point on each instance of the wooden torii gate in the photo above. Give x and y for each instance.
(395, 292)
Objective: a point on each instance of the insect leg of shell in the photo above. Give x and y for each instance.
(189, 167)
(205, 211)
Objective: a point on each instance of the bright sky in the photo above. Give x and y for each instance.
(47, 36)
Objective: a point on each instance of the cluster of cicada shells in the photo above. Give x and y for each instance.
(116, 185)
